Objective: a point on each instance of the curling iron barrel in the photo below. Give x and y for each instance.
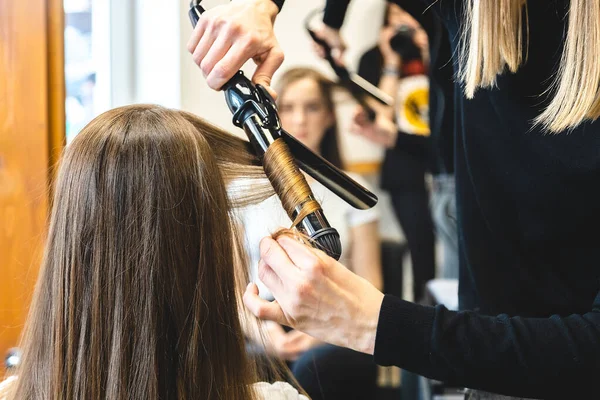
(254, 110)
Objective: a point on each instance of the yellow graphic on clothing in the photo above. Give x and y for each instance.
(413, 105)
(415, 108)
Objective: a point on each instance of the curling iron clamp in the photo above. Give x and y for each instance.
(357, 86)
(255, 111)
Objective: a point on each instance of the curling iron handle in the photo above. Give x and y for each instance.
(330, 176)
(342, 72)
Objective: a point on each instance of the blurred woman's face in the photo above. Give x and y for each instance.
(397, 16)
(304, 113)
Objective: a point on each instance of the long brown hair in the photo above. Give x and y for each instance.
(329, 147)
(137, 295)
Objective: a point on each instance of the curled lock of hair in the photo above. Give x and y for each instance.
(289, 183)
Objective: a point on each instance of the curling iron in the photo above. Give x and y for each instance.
(359, 88)
(255, 111)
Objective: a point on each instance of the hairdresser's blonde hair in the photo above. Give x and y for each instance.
(494, 39)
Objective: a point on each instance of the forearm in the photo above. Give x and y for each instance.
(373, 274)
(531, 357)
(390, 72)
(366, 253)
(278, 3)
(389, 84)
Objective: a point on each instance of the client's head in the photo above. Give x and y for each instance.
(136, 296)
(307, 111)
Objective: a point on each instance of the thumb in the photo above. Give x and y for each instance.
(294, 336)
(338, 51)
(359, 115)
(267, 64)
(338, 56)
(263, 309)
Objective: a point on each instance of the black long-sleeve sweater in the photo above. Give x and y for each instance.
(528, 217)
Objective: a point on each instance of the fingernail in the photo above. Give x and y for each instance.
(285, 239)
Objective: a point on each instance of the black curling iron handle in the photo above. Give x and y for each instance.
(340, 71)
(330, 176)
(196, 10)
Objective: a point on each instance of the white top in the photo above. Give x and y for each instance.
(444, 291)
(5, 386)
(264, 390)
(266, 218)
(277, 391)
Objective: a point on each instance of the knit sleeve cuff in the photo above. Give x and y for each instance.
(279, 3)
(403, 334)
(335, 11)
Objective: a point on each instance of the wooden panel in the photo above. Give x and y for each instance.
(56, 81)
(24, 157)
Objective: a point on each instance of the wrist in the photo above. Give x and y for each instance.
(365, 341)
(268, 7)
(392, 60)
(331, 29)
(390, 70)
(272, 9)
(331, 35)
(279, 4)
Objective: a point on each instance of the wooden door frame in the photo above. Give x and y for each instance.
(56, 83)
(29, 202)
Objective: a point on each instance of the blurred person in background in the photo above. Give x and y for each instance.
(398, 66)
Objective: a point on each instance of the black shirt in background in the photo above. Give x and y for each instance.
(528, 217)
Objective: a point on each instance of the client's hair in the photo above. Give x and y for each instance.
(138, 294)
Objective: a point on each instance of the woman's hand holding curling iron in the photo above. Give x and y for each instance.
(227, 36)
(315, 294)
